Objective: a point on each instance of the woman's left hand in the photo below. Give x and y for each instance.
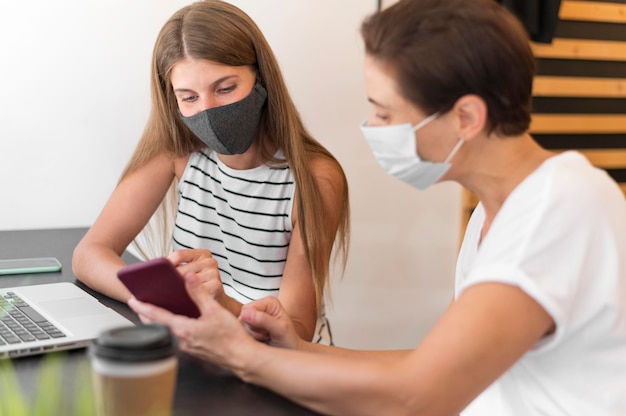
(266, 320)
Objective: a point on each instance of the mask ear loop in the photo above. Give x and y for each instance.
(425, 122)
(454, 150)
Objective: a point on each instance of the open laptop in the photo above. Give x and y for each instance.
(37, 319)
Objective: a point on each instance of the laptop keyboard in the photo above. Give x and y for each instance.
(19, 322)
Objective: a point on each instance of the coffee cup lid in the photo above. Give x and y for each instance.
(134, 343)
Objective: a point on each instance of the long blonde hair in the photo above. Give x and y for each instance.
(220, 32)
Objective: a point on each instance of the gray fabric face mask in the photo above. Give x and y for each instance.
(229, 129)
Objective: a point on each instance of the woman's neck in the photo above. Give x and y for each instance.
(501, 167)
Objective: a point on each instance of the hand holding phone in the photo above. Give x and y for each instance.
(158, 282)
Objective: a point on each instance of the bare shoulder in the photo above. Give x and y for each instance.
(155, 174)
(165, 163)
(328, 174)
(161, 161)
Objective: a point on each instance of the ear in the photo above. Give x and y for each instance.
(471, 115)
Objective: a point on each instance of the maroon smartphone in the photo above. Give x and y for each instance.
(158, 282)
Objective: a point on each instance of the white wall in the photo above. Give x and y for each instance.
(75, 98)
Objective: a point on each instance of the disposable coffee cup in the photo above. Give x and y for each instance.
(134, 371)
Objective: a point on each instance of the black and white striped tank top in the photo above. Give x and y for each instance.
(242, 216)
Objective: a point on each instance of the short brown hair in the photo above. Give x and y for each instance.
(441, 50)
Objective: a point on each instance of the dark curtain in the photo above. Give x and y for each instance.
(538, 16)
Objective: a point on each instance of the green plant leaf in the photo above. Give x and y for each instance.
(49, 393)
(84, 403)
(49, 398)
(12, 402)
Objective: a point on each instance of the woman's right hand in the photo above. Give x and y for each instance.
(202, 263)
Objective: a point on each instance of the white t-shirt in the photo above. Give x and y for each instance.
(561, 237)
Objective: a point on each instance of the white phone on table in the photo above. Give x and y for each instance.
(29, 265)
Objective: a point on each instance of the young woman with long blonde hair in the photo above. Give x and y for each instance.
(256, 195)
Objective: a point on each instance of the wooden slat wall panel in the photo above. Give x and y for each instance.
(606, 158)
(550, 86)
(584, 65)
(578, 123)
(593, 11)
(581, 49)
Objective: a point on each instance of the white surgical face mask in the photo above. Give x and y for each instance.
(395, 150)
